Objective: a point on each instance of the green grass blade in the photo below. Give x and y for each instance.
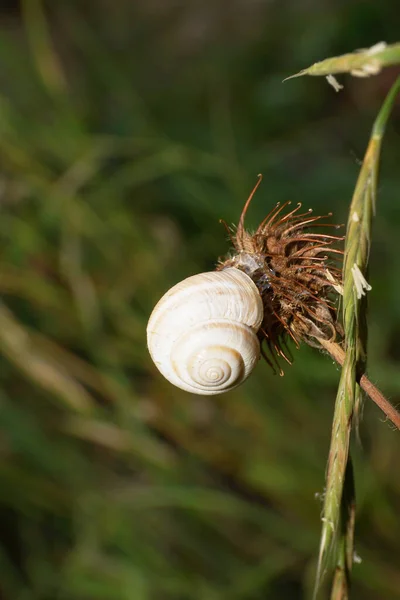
(47, 63)
(358, 238)
(38, 367)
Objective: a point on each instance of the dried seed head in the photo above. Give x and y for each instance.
(295, 272)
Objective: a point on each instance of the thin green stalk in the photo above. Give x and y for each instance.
(355, 286)
(345, 548)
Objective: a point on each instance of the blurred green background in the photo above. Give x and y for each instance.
(127, 130)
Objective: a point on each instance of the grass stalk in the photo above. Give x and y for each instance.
(345, 550)
(336, 536)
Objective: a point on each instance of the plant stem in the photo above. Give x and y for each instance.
(341, 577)
(337, 353)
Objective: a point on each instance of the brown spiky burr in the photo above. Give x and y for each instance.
(297, 275)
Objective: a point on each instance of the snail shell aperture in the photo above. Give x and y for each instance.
(202, 334)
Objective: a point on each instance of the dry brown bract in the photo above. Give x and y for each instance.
(293, 271)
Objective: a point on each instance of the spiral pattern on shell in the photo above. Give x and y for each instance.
(202, 334)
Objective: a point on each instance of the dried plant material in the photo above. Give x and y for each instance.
(376, 48)
(360, 283)
(337, 286)
(370, 68)
(373, 66)
(334, 83)
(288, 263)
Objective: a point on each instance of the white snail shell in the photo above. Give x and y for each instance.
(202, 334)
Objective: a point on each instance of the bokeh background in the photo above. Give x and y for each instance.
(128, 128)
